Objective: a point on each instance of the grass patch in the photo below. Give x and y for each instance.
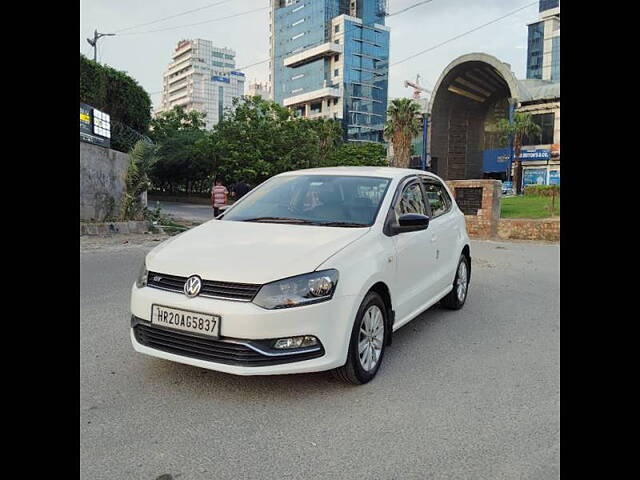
(528, 207)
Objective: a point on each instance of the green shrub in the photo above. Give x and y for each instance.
(141, 158)
(115, 93)
(542, 190)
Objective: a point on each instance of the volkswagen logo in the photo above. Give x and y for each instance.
(192, 286)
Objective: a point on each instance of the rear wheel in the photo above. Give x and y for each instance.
(458, 295)
(367, 344)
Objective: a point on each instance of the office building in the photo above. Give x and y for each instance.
(201, 77)
(543, 44)
(258, 89)
(330, 58)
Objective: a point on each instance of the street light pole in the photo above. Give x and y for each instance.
(94, 42)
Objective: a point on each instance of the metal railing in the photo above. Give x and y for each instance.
(123, 137)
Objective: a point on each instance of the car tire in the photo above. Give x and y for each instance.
(359, 368)
(455, 299)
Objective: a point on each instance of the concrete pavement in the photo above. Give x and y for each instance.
(472, 394)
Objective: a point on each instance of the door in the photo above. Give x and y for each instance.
(444, 232)
(415, 260)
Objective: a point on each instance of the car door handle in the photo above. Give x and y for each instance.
(434, 238)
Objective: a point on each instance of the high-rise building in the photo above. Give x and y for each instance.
(203, 78)
(543, 45)
(257, 89)
(330, 58)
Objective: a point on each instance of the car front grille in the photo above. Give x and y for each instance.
(210, 349)
(210, 288)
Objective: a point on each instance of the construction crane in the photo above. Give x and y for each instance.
(416, 87)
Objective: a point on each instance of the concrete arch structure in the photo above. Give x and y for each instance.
(471, 94)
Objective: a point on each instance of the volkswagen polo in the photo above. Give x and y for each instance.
(313, 270)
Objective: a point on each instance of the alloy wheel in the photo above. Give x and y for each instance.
(462, 281)
(371, 337)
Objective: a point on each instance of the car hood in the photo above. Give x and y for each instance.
(249, 252)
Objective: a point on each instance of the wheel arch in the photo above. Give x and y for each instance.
(466, 251)
(382, 289)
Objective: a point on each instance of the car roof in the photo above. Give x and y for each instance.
(386, 172)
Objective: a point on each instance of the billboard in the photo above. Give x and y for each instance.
(554, 177)
(95, 126)
(534, 176)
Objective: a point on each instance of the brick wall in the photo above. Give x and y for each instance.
(527, 229)
(481, 197)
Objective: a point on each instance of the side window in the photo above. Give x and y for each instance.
(411, 200)
(438, 198)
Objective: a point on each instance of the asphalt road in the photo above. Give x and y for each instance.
(472, 394)
(184, 211)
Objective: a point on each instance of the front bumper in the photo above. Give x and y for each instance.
(244, 325)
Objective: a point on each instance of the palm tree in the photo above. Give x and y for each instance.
(520, 127)
(403, 123)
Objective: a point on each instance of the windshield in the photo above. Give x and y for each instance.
(331, 200)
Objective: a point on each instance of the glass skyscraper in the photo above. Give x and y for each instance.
(543, 43)
(330, 58)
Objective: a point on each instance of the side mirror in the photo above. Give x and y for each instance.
(411, 222)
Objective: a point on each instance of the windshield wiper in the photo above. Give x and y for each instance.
(340, 224)
(302, 221)
(276, 220)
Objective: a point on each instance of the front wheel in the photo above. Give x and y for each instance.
(458, 295)
(367, 344)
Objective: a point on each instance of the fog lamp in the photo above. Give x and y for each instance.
(295, 342)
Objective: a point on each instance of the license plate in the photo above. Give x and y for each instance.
(204, 323)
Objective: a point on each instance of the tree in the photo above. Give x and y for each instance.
(358, 154)
(115, 93)
(262, 137)
(168, 123)
(184, 162)
(329, 136)
(520, 127)
(403, 123)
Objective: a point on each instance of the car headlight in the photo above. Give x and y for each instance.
(141, 281)
(296, 291)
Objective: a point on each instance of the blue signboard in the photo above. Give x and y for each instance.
(554, 177)
(239, 74)
(220, 79)
(496, 160)
(534, 154)
(534, 176)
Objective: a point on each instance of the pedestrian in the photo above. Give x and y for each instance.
(240, 189)
(219, 195)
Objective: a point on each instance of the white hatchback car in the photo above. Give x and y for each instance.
(312, 270)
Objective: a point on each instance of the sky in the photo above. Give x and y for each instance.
(145, 54)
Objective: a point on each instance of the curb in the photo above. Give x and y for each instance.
(113, 228)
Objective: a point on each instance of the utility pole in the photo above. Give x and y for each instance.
(94, 42)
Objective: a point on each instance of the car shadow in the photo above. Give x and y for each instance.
(202, 382)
